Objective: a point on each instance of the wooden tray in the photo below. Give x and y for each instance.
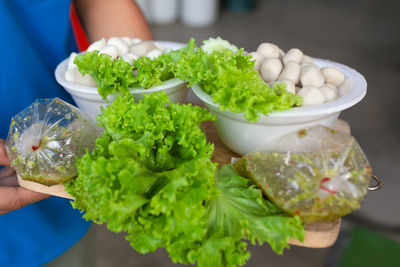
(54, 190)
(318, 235)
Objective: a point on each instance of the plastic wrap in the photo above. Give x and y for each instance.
(317, 173)
(45, 139)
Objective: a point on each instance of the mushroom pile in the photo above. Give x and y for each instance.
(299, 73)
(127, 48)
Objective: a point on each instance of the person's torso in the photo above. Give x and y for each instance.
(35, 36)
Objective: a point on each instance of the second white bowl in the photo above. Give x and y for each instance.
(242, 136)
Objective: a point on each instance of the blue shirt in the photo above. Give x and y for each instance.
(35, 36)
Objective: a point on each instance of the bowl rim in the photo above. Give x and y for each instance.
(353, 96)
(62, 67)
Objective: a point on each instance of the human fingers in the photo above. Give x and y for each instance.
(3, 154)
(8, 177)
(13, 198)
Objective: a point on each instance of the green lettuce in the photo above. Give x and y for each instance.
(150, 173)
(111, 75)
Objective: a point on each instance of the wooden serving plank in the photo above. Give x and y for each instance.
(54, 190)
(318, 235)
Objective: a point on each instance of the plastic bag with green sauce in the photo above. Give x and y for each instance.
(317, 173)
(45, 138)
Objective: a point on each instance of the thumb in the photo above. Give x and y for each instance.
(3, 154)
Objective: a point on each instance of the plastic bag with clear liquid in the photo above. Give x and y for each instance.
(317, 173)
(45, 139)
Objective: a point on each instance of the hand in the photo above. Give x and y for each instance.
(12, 196)
(105, 19)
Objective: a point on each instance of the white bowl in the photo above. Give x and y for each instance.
(242, 136)
(88, 99)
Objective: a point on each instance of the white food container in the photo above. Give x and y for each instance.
(242, 136)
(199, 13)
(163, 11)
(88, 99)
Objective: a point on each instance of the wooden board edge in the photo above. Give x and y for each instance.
(54, 190)
(319, 235)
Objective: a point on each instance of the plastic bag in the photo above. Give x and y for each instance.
(317, 173)
(45, 138)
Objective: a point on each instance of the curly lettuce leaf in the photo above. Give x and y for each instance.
(111, 75)
(117, 75)
(218, 44)
(151, 72)
(170, 134)
(150, 173)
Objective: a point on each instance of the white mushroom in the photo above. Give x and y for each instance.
(268, 50)
(290, 86)
(293, 54)
(311, 76)
(98, 45)
(160, 47)
(129, 57)
(291, 71)
(127, 40)
(154, 53)
(311, 96)
(270, 69)
(259, 59)
(305, 64)
(307, 59)
(71, 59)
(333, 76)
(136, 40)
(143, 48)
(110, 50)
(123, 47)
(281, 54)
(329, 91)
(86, 79)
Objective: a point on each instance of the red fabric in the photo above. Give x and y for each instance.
(81, 40)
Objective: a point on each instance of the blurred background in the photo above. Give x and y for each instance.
(363, 34)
